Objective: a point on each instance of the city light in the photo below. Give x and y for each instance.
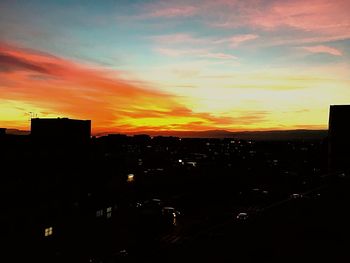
(131, 178)
(48, 231)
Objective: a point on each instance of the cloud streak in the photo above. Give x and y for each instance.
(239, 39)
(178, 38)
(11, 63)
(174, 12)
(199, 53)
(323, 49)
(184, 38)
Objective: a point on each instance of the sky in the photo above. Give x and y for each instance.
(174, 65)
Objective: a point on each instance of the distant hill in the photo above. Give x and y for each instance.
(189, 134)
(17, 132)
(281, 135)
(245, 135)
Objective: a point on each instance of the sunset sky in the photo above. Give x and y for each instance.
(175, 65)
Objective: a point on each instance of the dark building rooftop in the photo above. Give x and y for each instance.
(339, 119)
(61, 128)
(339, 137)
(2, 131)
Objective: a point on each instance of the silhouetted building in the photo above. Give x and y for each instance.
(61, 129)
(61, 137)
(339, 137)
(2, 131)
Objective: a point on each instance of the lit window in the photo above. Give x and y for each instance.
(109, 215)
(130, 178)
(48, 231)
(99, 213)
(109, 209)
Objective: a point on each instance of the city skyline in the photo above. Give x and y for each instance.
(174, 65)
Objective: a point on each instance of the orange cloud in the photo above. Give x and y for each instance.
(324, 49)
(51, 86)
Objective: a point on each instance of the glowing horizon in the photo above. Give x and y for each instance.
(193, 65)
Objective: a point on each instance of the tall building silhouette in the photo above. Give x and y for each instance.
(339, 138)
(2, 131)
(61, 129)
(60, 138)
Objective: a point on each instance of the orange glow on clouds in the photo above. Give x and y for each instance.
(175, 65)
(49, 86)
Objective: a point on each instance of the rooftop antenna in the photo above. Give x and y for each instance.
(32, 115)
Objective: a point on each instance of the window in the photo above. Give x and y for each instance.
(99, 213)
(109, 209)
(130, 178)
(48, 231)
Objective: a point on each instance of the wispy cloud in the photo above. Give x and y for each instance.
(164, 10)
(218, 55)
(173, 52)
(200, 53)
(323, 49)
(236, 40)
(178, 38)
(239, 39)
(185, 38)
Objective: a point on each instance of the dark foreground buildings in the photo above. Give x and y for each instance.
(339, 137)
(67, 198)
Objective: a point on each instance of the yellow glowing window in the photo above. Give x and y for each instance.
(48, 231)
(130, 178)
